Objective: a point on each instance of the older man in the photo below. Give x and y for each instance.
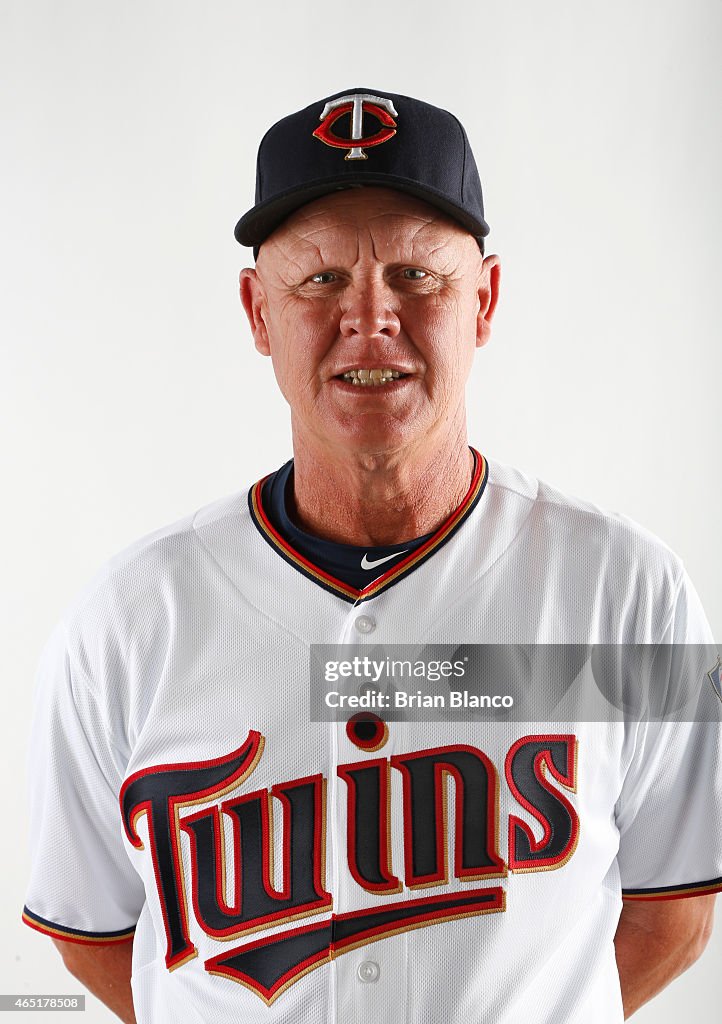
(271, 867)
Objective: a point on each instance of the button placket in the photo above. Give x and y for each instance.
(368, 971)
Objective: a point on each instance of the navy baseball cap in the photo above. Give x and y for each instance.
(364, 137)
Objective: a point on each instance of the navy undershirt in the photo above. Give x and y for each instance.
(343, 561)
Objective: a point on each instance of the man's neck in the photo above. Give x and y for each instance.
(376, 500)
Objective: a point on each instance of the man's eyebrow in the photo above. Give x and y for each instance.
(304, 256)
(433, 254)
(442, 257)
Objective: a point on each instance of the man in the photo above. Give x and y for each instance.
(190, 815)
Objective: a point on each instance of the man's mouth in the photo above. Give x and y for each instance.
(371, 377)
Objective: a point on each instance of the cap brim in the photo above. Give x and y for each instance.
(259, 222)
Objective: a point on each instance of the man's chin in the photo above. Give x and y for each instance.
(364, 433)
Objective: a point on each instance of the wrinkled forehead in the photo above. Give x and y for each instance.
(390, 224)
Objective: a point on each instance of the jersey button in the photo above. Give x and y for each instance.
(368, 970)
(365, 624)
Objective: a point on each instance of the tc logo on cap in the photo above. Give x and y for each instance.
(357, 104)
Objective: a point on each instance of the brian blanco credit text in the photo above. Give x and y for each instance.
(403, 699)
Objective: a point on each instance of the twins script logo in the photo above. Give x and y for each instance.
(356, 104)
(539, 770)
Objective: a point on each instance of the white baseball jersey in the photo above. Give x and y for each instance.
(273, 869)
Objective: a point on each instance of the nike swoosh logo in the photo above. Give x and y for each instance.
(365, 564)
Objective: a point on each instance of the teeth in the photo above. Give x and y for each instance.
(371, 378)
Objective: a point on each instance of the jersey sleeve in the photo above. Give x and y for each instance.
(82, 886)
(669, 813)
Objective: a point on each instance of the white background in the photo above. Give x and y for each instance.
(131, 392)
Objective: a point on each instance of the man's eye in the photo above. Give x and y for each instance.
(414, 274)
(324, 277)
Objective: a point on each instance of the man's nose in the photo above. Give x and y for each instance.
(370, 308)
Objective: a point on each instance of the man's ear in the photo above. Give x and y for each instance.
(488, 292)
(253, 301)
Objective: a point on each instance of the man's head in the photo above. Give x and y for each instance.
(364, 280)
(368, 231)
(363, 137)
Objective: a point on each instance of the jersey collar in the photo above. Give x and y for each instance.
(401, 569)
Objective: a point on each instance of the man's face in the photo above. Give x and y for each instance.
(362, 281)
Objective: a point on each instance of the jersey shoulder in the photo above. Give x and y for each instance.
(553, 509)
(156, 550)
(565, 547)
(134, 601)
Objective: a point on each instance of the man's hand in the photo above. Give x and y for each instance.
(105, 971)
(656, 941)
